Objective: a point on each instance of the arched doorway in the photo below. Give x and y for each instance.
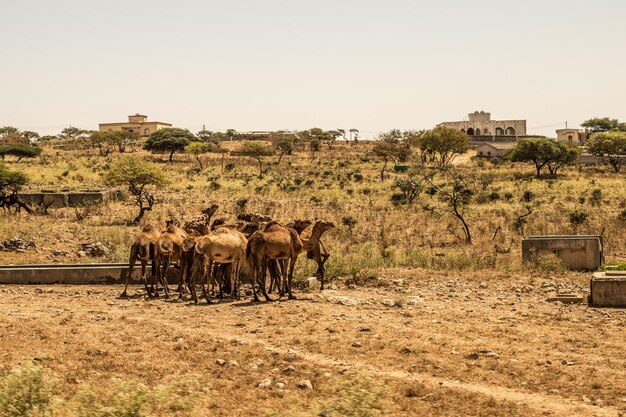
(499, 131)
(470, 131)
(477, 132)
(510, 131)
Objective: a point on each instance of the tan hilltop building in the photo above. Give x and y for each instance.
(479, 123)
(137, 123)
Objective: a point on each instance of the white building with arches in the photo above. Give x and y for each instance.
(479, 123)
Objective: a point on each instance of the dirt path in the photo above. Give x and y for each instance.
(434, 346)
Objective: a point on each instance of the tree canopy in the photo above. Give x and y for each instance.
(19, 150)
(611, 146)
(257, 150)
(140, 177)
(603, 124)
(441, 145)
(170, 140)
(11, 181)
(544, 152)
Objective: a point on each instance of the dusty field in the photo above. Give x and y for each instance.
(402, 342)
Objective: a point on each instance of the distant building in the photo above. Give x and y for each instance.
(494, 149)
(137, 123)
(479, 124)
(572, 135)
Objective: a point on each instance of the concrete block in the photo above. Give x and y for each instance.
(608, 289)
(578, 252)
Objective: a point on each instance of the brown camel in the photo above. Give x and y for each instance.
(143, 248)
(223, 246)
(273, 242)
(313, 244)
(169, 249)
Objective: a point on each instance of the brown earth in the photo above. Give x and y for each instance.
(401, 342)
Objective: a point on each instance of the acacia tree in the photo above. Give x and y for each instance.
(603, 124)
(73, 133)
(170, 140)
(141, 178)
(566, 153)
(284, 144)
(455, 189)
(196, 149)
(441, 145)
(8, 130)
(19, 150)
(388, 151)
(611, 146)
(258, 151)
(544, 152)
(11, 182)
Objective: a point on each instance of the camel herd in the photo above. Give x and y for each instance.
(218, 253)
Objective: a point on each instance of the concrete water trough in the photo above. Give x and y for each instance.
(578, 252)
(608, 289)
(102, 273)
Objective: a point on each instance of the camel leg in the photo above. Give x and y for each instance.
(183, 275)
(209, 277)
(263, 273)
(235, 280)
(166, 265)
(292, 264)
(131, 266)
(282, 275)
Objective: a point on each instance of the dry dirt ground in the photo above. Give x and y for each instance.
(402, 342)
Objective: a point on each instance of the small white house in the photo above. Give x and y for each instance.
(494, 149)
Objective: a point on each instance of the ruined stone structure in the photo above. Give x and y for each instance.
(137, 123)
(479, 123)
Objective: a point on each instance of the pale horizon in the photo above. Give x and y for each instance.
(277, 65)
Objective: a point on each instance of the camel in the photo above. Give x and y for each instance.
(223, 246)
(169, 249)
(313, 244)
(143, 248)
(274, 242)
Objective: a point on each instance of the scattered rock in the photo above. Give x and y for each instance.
(95, 249)
(482, 285)
(357, 344)
(364, 329)
(266, 383)
(406, 350)
(220, 362)
(568, 363)
(233, 363)
(289, 370)
(314, 284)
(305, 384)
(280, 385)
(586, 399)
(16, 245)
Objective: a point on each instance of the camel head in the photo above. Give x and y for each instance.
(171, 222)
(209, 211)
(217, 223)
(189, 243)
(323, 225)
(300, 225)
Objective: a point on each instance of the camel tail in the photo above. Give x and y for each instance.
(143, 253)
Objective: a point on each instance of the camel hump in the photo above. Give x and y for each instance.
(271, 226)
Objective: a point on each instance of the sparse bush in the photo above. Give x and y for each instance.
(349, 222)
(577, 217)
(528, 196)
(241, 203)
(596, 197)
(25, 393)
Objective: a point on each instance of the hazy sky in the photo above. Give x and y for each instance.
(270, 64)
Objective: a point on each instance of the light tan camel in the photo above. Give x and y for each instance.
(143, 248)
(169, 249)
(273, 242)
(223, 246)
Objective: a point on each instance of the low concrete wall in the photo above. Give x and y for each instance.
(577, 252)
(69, 199)
(608, 289)
(74, 274)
